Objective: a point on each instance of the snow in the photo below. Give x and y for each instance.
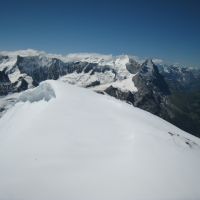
(43, 92)
(107, 78)
(29, 80)
(116, 62)
(13, 77)
(89, 57)
(6, 102)
(122, 79)
(72, 57)
(125, 85)
(83, 146)
(120, 66)
(9, 63)
(85, 79)
(101, 59)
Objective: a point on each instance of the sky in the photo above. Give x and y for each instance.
(166, 29)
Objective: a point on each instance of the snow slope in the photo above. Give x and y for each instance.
(78, 145)
(125, 85)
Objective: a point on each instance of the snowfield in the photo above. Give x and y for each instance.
(62, 142)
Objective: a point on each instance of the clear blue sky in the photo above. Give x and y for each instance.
(169, 29)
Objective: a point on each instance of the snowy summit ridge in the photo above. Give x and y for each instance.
(82, 145)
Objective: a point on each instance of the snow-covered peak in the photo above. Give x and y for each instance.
(101, 59)
(147, 67)
(11, 59)
(149, 63)
(72, 57)
(89, 57)
(122, 60)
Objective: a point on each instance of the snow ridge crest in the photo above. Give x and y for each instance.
(43, 92)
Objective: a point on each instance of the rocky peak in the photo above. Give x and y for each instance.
(133, 66)
(148, 68)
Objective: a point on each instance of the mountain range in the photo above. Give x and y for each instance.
(169, 91)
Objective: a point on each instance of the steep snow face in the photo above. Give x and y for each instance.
(81, 145)
(120, 65)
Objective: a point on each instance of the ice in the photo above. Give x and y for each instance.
(43, 92)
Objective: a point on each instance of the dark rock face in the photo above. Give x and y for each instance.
(125, 96)
(95, 83)
(101, 69)
(40, 69)
(20, 85)
(5, 89)
(150, 76)
(180, 79)
(132, 66)
(4, 77)
(3, 58)
(152, 88)
(5, 84)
